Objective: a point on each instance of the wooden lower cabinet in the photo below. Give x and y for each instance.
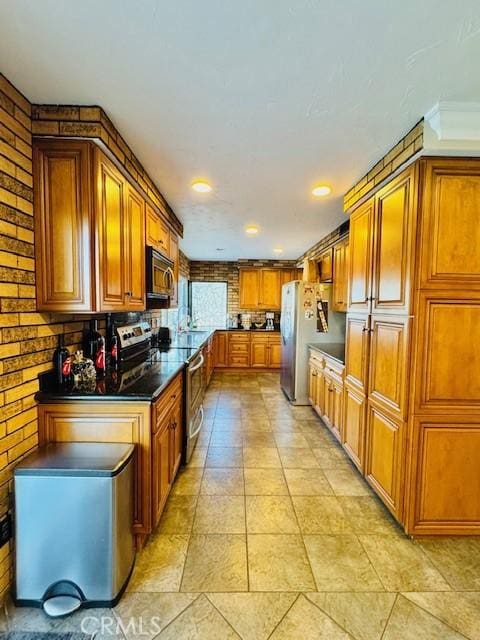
(384, 468)
(221, 349)
(156, 430)
(353, 435)
(444, 478)
(247, 350)
(326, 390)
(161, 481)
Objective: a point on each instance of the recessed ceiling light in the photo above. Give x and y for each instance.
(278, 250)
(201, 186)
(220, 249)
(251, 229)
(321, 190)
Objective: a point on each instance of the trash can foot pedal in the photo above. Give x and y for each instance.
(59, 606)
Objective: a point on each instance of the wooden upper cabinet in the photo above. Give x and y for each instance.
(152, 227)
(270, 289)
(450, 234)
(394, 244)
(249, 288)
(173, 253)
(63, 214)
(90, 231)
(111, 232)
(135, 247)
(325, 266)
(340, 276)
(360, 262)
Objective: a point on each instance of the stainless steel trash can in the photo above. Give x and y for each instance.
(74, 526)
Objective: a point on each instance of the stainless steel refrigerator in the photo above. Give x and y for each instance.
(306, 318)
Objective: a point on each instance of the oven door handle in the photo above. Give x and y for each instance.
(201, 411)
(197, 366)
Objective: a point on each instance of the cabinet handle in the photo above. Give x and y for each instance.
(314, 375)
(364, 330)
(128, 293)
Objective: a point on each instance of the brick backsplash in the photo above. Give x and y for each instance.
(222, 271)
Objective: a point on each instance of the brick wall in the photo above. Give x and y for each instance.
(183, 265)
(222, 271)
(402, 152)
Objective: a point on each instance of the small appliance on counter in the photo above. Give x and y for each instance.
(163, 336)
(246, 319)
(74, 526)
(270, 317)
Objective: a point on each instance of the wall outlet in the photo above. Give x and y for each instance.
(5, 529)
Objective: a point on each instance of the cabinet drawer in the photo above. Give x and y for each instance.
(170, 396)
(238, 347)
(260, 337)
(239, 360)
(334, 368)
(239, 337)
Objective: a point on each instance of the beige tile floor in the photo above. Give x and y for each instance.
(271, 533)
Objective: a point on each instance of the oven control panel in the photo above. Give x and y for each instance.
(134, 334)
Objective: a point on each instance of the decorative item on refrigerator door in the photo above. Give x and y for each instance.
(322, 316)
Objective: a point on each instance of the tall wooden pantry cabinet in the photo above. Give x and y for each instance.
(412, 379)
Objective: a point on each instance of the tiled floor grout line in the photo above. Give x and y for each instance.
(389, 616)
(284, 615)
(442, 620)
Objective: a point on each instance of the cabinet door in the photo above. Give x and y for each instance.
(353, 435)
(320, 405)
(161, 468)
(327, 405)
(394, 240)
(336, 391)
(174, 258)
(360, 262)
(221, 349)
(163, 238)
(274, 355)
(450, 234)
(176, 432)
(447, 365)
(111, 263)
(389, 348)
(340, 277)
(384, 454)
(259, 353)
(288, 275)
(270, 289)
(356, 351)
(312, 384)
(135, 251)
(249, 288)
(63, 218)
(326, 266)
(152, 222)
(338, 302)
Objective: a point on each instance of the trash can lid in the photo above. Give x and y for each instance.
(76, 459)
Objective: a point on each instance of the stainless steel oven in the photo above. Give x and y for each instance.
(195, 390)
(160, 275)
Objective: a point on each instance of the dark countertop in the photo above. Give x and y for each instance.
(335, 350)
(145, 385)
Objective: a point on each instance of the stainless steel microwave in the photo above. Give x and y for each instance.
(160, 275)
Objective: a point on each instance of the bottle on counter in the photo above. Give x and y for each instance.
(90, 341)
(100, 358)
(112, 343)
(60, 355)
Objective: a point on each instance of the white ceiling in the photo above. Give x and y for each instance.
(261, 97)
